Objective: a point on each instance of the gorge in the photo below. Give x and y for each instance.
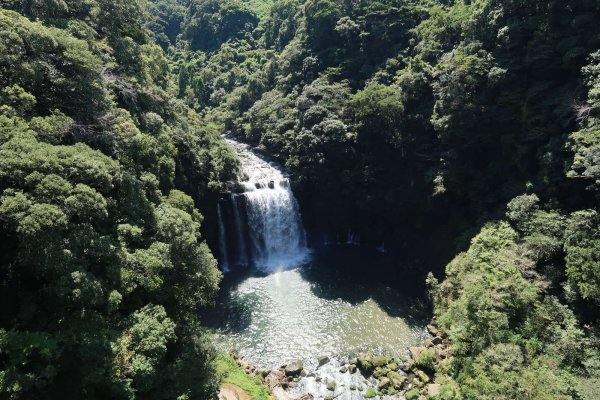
(409, 208)
(280, 302)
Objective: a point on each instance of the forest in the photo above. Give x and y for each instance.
(462, 134)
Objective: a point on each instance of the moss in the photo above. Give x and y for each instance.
(426, 361)
(370, 393)
(228, 371)
(412, 394)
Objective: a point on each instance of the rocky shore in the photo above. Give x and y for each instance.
(366, 376)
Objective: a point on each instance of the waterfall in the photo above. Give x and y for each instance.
(239, 233)
(267, 224)
(222, 241)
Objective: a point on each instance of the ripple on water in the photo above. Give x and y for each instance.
(272, 319)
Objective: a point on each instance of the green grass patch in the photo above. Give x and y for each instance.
(228, 371)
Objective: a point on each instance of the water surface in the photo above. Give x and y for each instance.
(315, 309)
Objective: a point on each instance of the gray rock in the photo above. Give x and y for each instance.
(331, 386)
(436, 340)
(344, 369)
(294, 368)
(323, 360)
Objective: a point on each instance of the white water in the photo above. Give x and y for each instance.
(276, 233)
(239, 233)
(222, 241)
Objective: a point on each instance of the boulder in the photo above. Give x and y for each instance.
(381, 361)
(370, 393)
(294, 368)
(436, 340)
(383, 384)
(352, 368)
(344, 369)
(412, 394)
(380, 372)
(433, 330)
(323, 360)
(434, 389)
(365, 363)
(396, 379)
(331, 385)
(423, 377)
(415, 351)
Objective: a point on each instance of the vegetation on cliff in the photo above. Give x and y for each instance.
(102, 267)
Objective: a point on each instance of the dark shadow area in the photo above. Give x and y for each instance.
(355, 274)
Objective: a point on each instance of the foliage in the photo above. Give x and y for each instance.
(103, 269)
(228, 371)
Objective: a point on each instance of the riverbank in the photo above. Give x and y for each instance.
(366, 376)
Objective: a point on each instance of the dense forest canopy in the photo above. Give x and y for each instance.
(103, 268)
(463, 130)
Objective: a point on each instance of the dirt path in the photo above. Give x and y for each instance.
(227, 391)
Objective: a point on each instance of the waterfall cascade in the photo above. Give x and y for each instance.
(261, 226)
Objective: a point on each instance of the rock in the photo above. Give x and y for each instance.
(433, 330)
(310, 375)
(353, 387)
(384, 383)
(412, 394)
(328, 398)
(323, 360)
(381, 361)
(434, 389)
(396, 379)
(352, 368)
(303, 373)
(421, 397)
(436, 340)
(344, 369)
(365, 363)
(331, 385)
(423, 377)
(415, 351)
(275, 378)
(370, 393)
(353, 361)
(379, 372)
(294, 368)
